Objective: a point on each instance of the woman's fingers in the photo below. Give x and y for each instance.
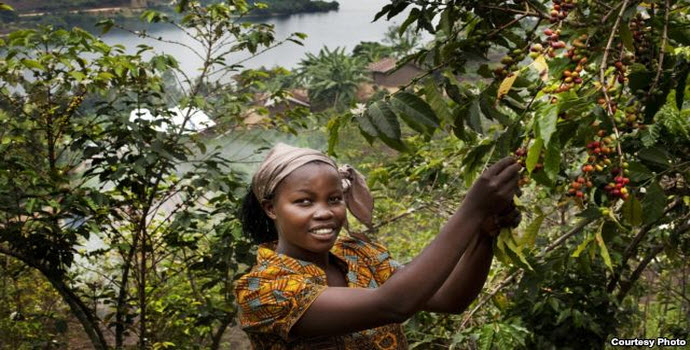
(509, 173)
(509, 182)
(499, 166)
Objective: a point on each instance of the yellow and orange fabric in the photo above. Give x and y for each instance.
(279, 289)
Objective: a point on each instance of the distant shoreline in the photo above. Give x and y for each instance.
(28, 19)
(91, 10)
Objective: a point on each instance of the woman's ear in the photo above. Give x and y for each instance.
(269, 208)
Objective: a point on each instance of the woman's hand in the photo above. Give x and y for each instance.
(493, 191)
(492, 225)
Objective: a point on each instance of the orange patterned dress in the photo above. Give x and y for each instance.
(279, 289)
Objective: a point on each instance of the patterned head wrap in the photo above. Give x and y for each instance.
(283, 159)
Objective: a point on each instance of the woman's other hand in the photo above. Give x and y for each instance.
(492, 225)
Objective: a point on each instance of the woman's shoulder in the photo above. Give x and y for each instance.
(352, 246)
(271, 268)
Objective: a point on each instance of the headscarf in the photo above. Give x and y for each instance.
(283, 159)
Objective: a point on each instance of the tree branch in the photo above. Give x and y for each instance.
(80, 310)
(627, 285)
(629, 250)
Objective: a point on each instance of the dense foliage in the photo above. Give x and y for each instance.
(592, 97)
(129, 223)
(130, 220)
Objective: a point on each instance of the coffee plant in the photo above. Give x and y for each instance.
(591, 97)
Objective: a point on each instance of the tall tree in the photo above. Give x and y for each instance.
(82, 165)
(332, 78)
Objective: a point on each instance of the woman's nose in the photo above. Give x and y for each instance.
(323, 212)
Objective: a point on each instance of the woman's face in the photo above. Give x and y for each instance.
(308, 210)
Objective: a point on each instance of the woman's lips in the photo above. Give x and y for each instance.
(323, 233)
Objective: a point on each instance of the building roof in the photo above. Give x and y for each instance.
(299, 97)
(383, 65)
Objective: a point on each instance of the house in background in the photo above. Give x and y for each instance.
(383, 73)
(271, 107)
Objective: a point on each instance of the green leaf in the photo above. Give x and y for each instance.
(384, 120)
(656, 155)
(366, 126)
(552, 159)
(640, 77)
(638, 172)
(5, 7)
(474, 120)
(437, 102)
(654, 203)
(32, 64)
(332, 128)
(530, 235)
(473, 161)
(581, 247)
(547, 118)
(488, 108)
(533, 154)
(415, 112)
(632, 211)
(603, 250)
(650, 135)
(627, 38)
(514, 250)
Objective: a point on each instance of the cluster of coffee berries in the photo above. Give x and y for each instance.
(599, 153)
(620, 71)
(521, 154)
(617, 189)
(569, 79)
(510, 62)
(560, 8)
(612, 104)
(553, 38)
(578, 53)
(630, 121)
(536, 50)
(640, 32)
(579, 187)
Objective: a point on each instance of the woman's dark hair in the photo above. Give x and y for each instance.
(255, 222)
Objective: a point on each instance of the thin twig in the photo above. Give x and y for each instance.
(611, 9)
(505, 282)
(602, 77)
(662, 50)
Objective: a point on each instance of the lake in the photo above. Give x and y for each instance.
(347, 27)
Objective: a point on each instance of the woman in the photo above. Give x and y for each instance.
(312, 289)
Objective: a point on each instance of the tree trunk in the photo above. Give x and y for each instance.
(218, 335)
(142, 294)
(122, 298)
(81, 312)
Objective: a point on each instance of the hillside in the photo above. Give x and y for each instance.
(61, 5)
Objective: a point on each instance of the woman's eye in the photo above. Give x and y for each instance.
(303, 201)
(336, 199)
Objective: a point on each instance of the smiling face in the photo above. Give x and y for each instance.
(308, 210)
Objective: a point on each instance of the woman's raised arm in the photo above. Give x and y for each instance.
(339, 310)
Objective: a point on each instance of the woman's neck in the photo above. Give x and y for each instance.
(319, 259)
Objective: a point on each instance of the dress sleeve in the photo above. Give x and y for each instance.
(273, 306)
